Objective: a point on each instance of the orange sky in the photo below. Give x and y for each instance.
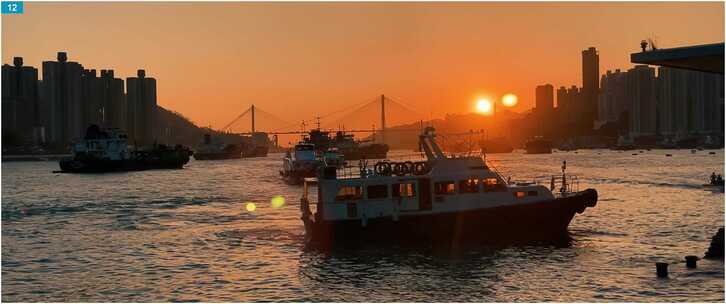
(212, 60)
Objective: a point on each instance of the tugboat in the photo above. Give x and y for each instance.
(216, 151)
(299, 164)
(538, 145)
(442, 200)
(106, 150)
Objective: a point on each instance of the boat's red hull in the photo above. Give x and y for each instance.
(537, 221)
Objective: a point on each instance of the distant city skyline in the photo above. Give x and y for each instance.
(214, 60)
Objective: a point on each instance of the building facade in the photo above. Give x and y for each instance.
(20, 102)
(113, 100)
(641, 90)
(62, 96)
(141, 112)
(544, 98)
(590, 85)
(613, 99)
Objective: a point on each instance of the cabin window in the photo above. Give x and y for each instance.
(532, 193)
(469, 185)
(346, 193)
(519, 194)
(403, 190)
(377, 191)
(444, 188)
(492, 184)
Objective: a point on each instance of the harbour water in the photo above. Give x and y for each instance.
(186, 235)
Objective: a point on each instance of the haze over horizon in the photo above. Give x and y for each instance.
(299, 60)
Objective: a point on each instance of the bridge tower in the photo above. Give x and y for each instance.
(383, 118)
(253, 118)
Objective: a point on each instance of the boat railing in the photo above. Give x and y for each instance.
(564, 185)
(560, 187)
(496, 170)
(414, 157)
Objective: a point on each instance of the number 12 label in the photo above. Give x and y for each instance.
(12, 7)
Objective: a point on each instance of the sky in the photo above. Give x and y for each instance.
(299, 60)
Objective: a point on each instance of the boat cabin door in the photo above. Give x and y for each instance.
(424, 196)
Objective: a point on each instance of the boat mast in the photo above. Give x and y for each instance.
(428, 144)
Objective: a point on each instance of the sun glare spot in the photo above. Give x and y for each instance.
(509, 100)
(277, 201)
(484, 106)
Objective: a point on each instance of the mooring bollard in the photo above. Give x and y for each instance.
(661, 269)
(691, 261)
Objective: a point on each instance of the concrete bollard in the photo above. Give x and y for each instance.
(691, 261)
(661, 269)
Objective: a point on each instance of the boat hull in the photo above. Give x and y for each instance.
(217, 156)
(536, 221)
(165, 159)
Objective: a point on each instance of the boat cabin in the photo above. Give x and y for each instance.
(451, 184)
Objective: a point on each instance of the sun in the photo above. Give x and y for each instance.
(509, 100)
(484, 106)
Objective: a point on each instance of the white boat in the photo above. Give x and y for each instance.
(300, 163)
(442, 199)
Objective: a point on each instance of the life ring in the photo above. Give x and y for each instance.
(382, 168)
(421, 168)
(399, 169)
(409, 166)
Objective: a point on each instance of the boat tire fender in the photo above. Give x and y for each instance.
(399, 169)
(409, 167)
(421, 168)
(382, 168)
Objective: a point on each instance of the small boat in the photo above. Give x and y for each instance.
(106, 150)
(333, 158)
(538, 145)
(715, 181)
(496, 145)
(441, 200)
(209, 150)
(300, 163)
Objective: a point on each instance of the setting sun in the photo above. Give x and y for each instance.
(484, 106)
(509, 100)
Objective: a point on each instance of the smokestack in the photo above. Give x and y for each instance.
(141, 73)
(18, 61)
(62, 57)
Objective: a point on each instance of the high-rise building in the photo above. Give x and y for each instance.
(141, 108)
(91, 99)
(544, 99)
(641, 89)
(113, 100)
(689, 103)
(20, 101)
(590, 85)
(612, 100)
(62, 94)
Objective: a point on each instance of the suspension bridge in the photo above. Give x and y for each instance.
(255, 113)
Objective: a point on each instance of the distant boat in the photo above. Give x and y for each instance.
(255, 145)
(346, 145)
(209, 150)
(538, 145)
(106, 150)
(299, 163)
(496, 145)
